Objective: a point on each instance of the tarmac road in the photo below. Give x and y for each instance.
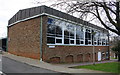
(13, 66)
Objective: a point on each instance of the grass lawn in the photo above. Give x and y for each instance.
(113, 67)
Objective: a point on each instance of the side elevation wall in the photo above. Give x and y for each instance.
(24, 38)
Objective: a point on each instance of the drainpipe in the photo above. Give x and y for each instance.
(41, 38)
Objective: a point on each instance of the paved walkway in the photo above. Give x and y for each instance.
(55, 67)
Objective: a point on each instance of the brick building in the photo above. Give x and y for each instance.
(53, 36)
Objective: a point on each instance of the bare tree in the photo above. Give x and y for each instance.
(107, 13)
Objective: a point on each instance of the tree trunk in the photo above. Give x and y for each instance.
(116, 56)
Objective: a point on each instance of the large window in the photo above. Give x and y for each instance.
(51, 31)
(61, 32)
(69, 34)
(88, 36)
(54, 31)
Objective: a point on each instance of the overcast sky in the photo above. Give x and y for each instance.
(10, 7)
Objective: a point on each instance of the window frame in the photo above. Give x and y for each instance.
(75, 38)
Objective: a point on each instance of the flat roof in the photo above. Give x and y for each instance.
(30, 12)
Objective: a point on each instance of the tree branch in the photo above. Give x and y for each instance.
(113, 30)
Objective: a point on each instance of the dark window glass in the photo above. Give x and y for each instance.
(77, 41)
(89, 36)
(72, 41)
(66, 33)
(95, 43)
(81, 42)
(50, 21)
(58, 40)
(66, 41)
(86, 42)
(50, 40)
(72, 35)
(89, 42)
(103, 41)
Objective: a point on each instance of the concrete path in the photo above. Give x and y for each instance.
(54, 67)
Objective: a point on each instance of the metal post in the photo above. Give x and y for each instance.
(93, 51)
(93, 33)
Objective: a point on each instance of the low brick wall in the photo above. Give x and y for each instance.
(72, 54)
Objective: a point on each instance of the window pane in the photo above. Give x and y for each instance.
(88, 37)
(81, 42)
(71, 30)
(50, 40)
(50, 26)
(58, 30)
(86, 42)
(77, 41)
(50, 21)
(89, 42)
(58, 40)
(66, 33)
(66, 41)
(58, 24)
(79, 32)
(71, 41)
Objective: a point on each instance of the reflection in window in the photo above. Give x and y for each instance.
(62, 32)
(50, 27)
(79, 35)
(58, 28)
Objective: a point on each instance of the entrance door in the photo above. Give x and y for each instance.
(99, 56)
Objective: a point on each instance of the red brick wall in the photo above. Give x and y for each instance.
(75, 51)
(24, 38)
(55, 59)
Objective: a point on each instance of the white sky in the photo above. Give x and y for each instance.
(10, 7)
(7, 9)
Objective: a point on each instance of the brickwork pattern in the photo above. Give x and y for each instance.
(24, 38)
